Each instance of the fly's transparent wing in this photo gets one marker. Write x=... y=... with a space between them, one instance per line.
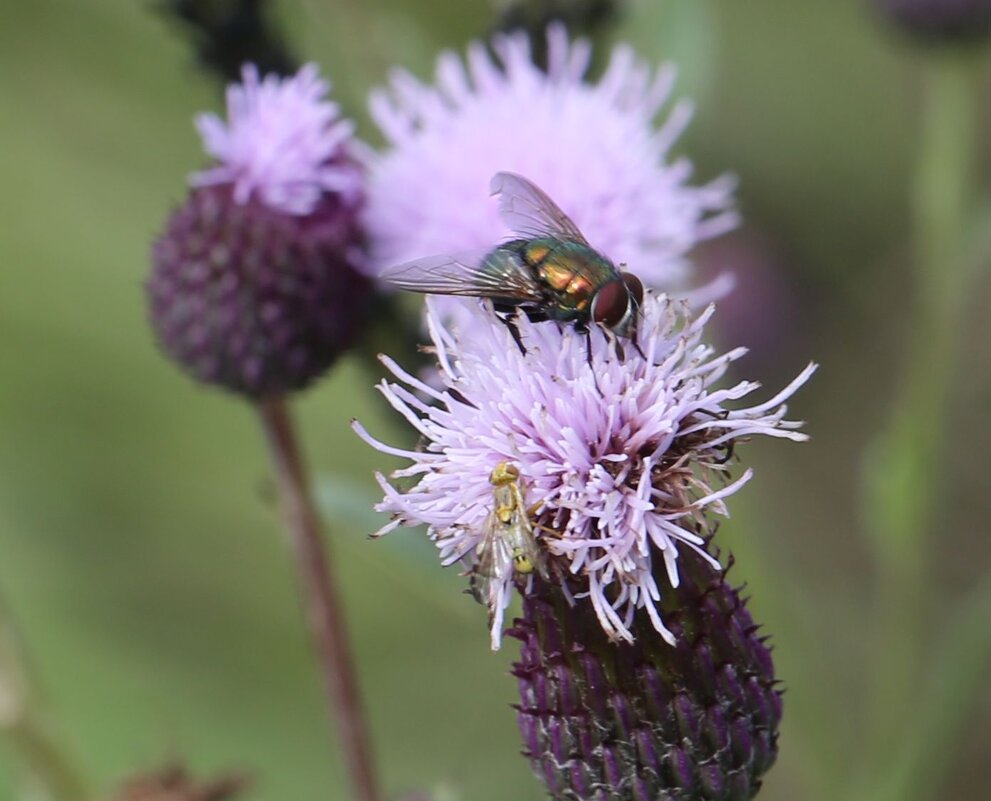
x=529 y=212
x=498 y=275
x=494 y=562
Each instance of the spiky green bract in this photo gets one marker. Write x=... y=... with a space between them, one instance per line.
x=648 y=721
x=254 y=299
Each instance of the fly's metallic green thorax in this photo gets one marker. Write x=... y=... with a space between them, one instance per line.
x=569 y=273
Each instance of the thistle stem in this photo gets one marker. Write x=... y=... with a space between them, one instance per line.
x=51 y=774
x=902 y=482
x=320 y=598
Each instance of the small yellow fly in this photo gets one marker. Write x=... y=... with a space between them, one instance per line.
x=508 y=543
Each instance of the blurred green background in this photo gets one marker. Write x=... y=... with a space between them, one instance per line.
x=140 y=550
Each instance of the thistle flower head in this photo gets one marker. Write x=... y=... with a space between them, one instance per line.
x=621 y=452
x=283 y=142
x=592 y=146
x=255 y=282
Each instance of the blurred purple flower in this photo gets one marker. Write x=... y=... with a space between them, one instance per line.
x=625 y=462
x=284 y=142
x=593 y=147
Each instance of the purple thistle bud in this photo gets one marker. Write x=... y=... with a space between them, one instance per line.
x=255 y=284
x=601 y=721
x=940 y=20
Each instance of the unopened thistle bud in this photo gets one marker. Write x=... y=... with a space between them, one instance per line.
x=940 y=20
x=603 y=721
x=255 y=284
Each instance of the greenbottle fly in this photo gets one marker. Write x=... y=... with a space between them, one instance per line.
x=549 y=271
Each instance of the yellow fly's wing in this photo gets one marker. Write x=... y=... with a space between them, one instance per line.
x=493 y=562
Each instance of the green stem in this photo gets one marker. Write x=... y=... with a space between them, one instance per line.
x=902 y=482
x=50 y=772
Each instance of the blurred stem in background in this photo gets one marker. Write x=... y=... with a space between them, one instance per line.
x=580 y=18
x=320 y=597
x=226 y=34
x=903 y=469
x=50 y=773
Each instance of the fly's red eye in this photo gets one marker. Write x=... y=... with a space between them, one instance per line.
x=610 y=303
x=635 y=286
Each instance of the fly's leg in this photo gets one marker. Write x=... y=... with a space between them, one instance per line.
x=588 y=357
x=532 y=512
x=620 y=350
x=548 y=530
x=636 y=344
x=506 y=312
x=514 y=331
x=728 y=446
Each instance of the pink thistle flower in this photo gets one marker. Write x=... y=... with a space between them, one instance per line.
x=593 y=147
x=620 y=468
x=283 y=142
